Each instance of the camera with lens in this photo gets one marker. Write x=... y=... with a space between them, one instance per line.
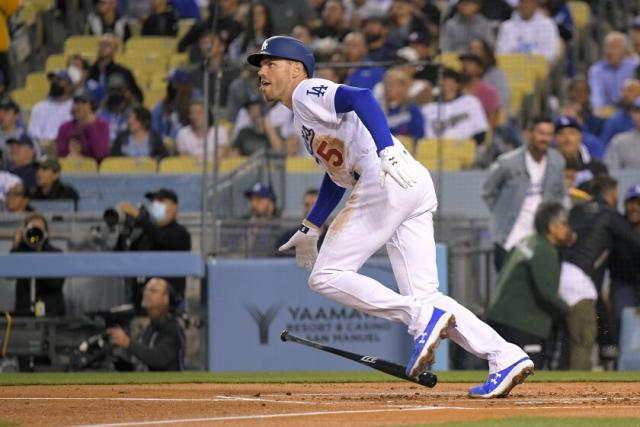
x=34 y=236
x=130 y=228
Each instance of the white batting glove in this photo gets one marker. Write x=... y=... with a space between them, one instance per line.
x=305 y=240
x=393 y=161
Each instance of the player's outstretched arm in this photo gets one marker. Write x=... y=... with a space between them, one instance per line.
x=305 y=240
x=393 y=158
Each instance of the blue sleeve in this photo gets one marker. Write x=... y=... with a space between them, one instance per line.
x=349 y=98
x=329 y=196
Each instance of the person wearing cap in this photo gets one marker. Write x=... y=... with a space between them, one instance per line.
x=529 y=31
x=607 y=76
x=598 y=226
x=16 y=199
x=170 y=114
x=9 y=129
x=455 y=116
x=569 y=143
x=421 y=43
x=139 y=140
x=262 y=202
x=105 y=20
x=90 y=132
x=624 y=268
x=471 y=73
x=48 y=184
x=162 y=21
x=48 y=115
x=105 y=66
x=263 y=231
x=117 y=105
x=22 y=159
x=466 y=24
x=160 y=232
x=621 y=120
x=623 y=152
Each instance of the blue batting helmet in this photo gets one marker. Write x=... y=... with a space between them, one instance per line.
x=284 y=47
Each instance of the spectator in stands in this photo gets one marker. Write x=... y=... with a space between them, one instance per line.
x=186 y=9
x=17 y=199
x=22 y=159
x=277 y=121
x=623 y=268
x=49 y=114
x=241 y=90
x=518 y=182
x=259 y=28
x=379 y=46
x=78 y=70
x=421 y=43
x=33 y=236
x=493 y=75
x=569 y=143
x=162 y=21
x=359 y=12
x=290 y=13
x=9 y=7
x=9 y=118
x=621 y=120
x=262 y=202
x=579 y=92
x=404 y=20
x=456 y=116
x=49 y=186
x=607 y=76
x=592 y=143
x=624 y=150
x=106 y=20
x=215 y=46
x=529 y=31
x=172 y=113
x=161 y=345
x=137 y=9
x=308 y=200
x=139 y=140
x=471 y=74
x=403 y=115
x=85 y=134
x=355 y=50
x=227 y=27
x=7 y=180
x=333 y=24
x=190 y=139
x=258 y=134
x=525 y=304
x=464 y=26
x=116 y=106
x=160 y=231
x=598 y=225
x=105 y=66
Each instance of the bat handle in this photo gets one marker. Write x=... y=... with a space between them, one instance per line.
x=284 y=335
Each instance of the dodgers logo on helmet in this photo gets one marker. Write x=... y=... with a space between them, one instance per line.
x=287 y=48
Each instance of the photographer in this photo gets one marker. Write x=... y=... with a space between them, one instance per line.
x=155 y=229
x=33 y=236
x=160 y=347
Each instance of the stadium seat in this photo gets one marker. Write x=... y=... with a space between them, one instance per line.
x=26 y=98
x=37 y=81
x=450 y=60
x=77 y=44
x=151 y=97
x=581 y=13
x=431 y=163
x=158 y=81
x=56 y=62
x=78 y=165
x=301 y=164
x=146 y=44
x=177 y=60
x=182 y=164
x=184 y=25
x=43 y=5
x=457 y=153
x=145 y=63
x=134 y=165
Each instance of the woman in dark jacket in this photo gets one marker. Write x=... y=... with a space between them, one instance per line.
x=139 y=140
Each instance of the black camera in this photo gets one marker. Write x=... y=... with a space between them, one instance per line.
x=130 y=228
x=34 y=236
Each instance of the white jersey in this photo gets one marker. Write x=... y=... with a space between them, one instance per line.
x=339 y=142
x=459 y=119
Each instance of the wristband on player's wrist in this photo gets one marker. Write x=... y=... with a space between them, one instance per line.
x=308 y=230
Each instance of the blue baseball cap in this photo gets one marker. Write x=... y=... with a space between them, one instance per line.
x=61 y=74
x=21 y=140
x=180 y=76
x=566 y=122
x=260 y=190
x=632 y=192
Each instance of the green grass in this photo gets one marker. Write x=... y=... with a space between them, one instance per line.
x=541 y=422
x=53 y=378
x=7 y=423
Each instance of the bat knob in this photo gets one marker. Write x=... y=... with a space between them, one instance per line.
x=428 y=379
x=284 y=335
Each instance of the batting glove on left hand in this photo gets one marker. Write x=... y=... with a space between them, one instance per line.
x=305 y=240
x=393 y=161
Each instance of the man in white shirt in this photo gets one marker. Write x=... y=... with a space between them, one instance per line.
x=529 y=31
x=49 y=114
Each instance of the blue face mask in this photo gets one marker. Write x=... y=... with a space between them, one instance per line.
x=158 y=211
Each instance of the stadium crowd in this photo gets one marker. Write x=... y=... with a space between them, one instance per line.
x=520 y=82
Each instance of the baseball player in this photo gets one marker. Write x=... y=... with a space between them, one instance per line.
x=392 y=202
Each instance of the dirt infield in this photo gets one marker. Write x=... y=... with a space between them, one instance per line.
x=363 y=404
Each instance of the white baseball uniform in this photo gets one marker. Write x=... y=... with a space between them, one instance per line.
x=401 y=219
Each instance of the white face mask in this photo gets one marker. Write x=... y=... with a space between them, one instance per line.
x=75 y=74
x=158 y=211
